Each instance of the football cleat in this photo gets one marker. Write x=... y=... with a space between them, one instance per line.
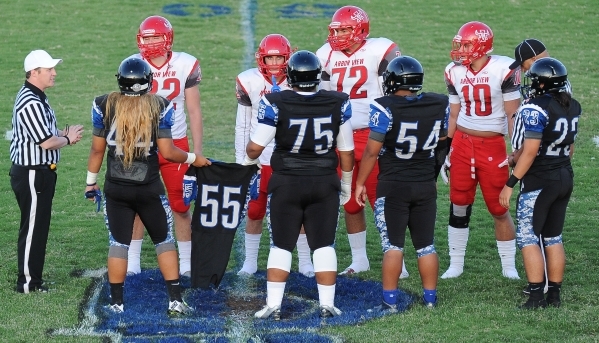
x=272 y=312
x=243 y=273
x=384 y=308
x=329 y=311
x=553 y=299
x=429 y=304
x=178 y=308
x=531 y=304
x=117 y=308
x=355 y=270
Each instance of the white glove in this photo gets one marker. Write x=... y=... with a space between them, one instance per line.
x=247 y=161
x=445 y=170
x=345 y=194
x=504 y=163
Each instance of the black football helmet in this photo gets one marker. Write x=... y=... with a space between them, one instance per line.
x=303 y=70
x=547 y=75
x=403 y=72
x=134 y=77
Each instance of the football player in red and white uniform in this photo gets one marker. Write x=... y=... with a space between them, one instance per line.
x=483 y=96
x=354 y=64
x=272 y=56
x=176 y=77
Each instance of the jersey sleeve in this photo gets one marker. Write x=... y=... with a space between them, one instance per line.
x=390 y=54
x=243 y=97
x=166 y=120
x=510 y=87
x=97 y=114
x=380 y=121
x=346 y=111
x=323 y=56
x=454 y=98
x=195 y=77
x=267 y=113
x=534 y=120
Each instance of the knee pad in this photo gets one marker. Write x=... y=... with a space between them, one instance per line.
x=177 y=204
x=497 y=210
x=118 y=251
x=257 y=207
x=279 y=259
x=164 y=247
x=459 y=216
x=325 y=260
x=426 y=251
x=549 y=241
x=352 y=206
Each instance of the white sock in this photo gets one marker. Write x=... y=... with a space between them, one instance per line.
x=357 y=242
x=326 y=295
x=252 y=246
x=303 y=255
x=404 y=271
x=507 y=253
x=274 y=291
x=457 y=240
x=184 y=256
x=134 y=256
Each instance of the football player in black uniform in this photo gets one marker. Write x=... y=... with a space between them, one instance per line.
x=550 y=120
x=134 y=124
x=312 y=136
x=406 y=129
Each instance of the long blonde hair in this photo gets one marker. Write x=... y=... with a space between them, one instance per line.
x=134 y=118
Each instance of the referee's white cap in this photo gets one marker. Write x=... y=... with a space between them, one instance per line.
x=40 y=59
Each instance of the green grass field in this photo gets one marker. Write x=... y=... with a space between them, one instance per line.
x=94 y=36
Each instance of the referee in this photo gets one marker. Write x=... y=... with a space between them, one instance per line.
x=35 y=152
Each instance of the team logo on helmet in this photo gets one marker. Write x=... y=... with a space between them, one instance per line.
x=483 y=35
x=137 y=87
x=358 y=16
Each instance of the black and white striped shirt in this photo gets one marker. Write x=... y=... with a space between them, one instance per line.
x=33 y=123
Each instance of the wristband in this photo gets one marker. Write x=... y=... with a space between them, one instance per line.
x=191 y=157
x=512 y=181
x=91 y=178
x=346 y=176
x=68 y=140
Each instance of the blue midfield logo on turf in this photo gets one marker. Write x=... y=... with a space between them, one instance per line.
x=298 y=10
x=196 y=10
x=225 y=314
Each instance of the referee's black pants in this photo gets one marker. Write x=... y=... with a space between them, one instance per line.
x=34 y=190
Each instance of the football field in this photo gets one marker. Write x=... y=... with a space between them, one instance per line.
x=93 y=37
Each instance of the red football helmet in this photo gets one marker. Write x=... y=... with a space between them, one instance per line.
x=151 y=27
x=348 y=17
x=479 y=35
x=273 y=45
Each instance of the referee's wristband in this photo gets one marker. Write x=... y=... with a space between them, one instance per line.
x=512 y=181
x=92 y=178
x=68 y=140
x=191 y=157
